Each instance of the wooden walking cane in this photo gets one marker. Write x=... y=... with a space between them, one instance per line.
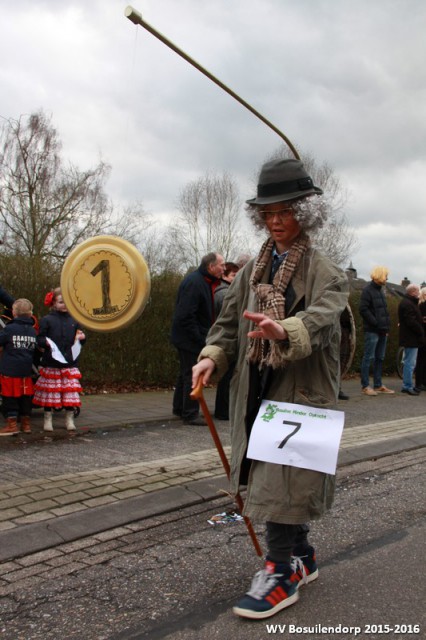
x=197 y=394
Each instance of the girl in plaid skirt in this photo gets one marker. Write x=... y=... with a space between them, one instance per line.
x=58 y=386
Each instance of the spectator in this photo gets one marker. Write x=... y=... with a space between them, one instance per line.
x=58 y=386
x=193 y=317
x=7 y=301
x=280 y=326
x=420 y=372
x=411 y=335
x=18 y=339
x=242 y=260
x=374 y=312
x=221 y=410
x=230 y=271
x=347 y=345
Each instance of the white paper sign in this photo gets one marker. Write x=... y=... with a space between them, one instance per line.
x=297 y=435
x=56 y=353
x=75 y=349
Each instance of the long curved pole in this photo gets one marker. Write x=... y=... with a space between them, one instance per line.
x=135 y=17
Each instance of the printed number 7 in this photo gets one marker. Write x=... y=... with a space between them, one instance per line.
x=287 y=438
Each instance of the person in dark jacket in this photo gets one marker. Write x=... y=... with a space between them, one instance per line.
x=59 y=338
x=18 y=340
x=411 y=335
x=376 y=321
x=421 y=354
x=193 y=317
x=7 y=301
x=347 y=345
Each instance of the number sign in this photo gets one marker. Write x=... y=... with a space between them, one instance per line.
x=296 y=435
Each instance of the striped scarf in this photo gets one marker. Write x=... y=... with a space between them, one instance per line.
x=270 y=297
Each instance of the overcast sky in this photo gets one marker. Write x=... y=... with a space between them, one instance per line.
x=343 y=79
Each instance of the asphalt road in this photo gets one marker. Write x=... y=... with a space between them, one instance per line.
x=177 y=577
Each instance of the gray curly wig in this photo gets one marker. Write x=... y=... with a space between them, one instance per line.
x=311 y=213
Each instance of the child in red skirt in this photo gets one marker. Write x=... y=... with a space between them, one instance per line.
x=59 y=383
x=18 y=339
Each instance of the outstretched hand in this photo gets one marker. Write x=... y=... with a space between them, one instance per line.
x=267 y=329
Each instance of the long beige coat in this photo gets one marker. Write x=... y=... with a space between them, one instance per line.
x=311 y=376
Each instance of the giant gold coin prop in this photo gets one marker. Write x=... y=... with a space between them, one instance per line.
x=105 y=283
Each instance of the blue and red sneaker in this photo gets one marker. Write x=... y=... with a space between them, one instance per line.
x=304 y=564
x=273 y=588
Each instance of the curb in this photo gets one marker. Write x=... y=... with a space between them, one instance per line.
x=39 y=536
x=32 y=538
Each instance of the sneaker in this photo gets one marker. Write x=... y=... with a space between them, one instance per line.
x=384 y=389
x=368 y=391
x=411 y=392
x=273 y=588
x=304 y=565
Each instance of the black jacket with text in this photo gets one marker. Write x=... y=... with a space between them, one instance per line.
x=18 y=339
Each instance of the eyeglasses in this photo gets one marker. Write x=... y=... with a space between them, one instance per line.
x=280 y=213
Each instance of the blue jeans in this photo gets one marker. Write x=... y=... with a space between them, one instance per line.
x=374 y=349
x=410 y=357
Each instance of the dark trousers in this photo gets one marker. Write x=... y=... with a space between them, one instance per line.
x=282 y=539
x=420 y=371
x=13 y=407
x=221 y=408
x=183 y=405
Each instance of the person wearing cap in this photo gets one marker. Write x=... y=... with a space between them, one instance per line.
x=280 y=328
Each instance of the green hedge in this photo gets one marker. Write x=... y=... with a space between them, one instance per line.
x=142 y=353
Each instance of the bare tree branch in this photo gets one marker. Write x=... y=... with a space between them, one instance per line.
x=46 y=209
x=209 y=220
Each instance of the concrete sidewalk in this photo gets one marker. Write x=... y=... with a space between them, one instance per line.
x=37 y=514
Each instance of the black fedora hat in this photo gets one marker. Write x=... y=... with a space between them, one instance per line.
x=282 y=180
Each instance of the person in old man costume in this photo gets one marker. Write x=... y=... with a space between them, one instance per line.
x=280 y=327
